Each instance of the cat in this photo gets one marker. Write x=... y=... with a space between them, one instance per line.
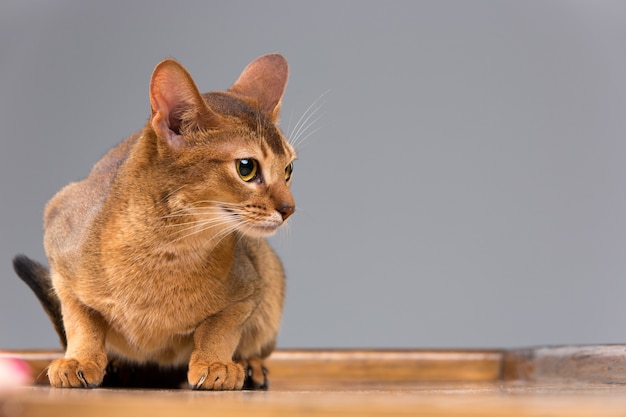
x=158 y=257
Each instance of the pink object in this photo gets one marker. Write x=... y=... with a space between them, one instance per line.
x=14 y=373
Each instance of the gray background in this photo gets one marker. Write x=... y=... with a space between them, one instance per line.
x=465 y=186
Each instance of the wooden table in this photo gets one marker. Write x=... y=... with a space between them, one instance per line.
x=554 y=381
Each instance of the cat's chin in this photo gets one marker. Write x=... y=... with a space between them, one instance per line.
x=261 y=231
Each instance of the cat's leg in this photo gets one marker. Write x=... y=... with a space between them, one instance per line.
x=256 y=374
x=259 y=334
x=211 y=366
x=85 y=358
x=257 y=343
x=260 y=330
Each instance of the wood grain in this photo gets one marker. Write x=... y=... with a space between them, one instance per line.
x=580 y=364
x=338 y=367
x=547 y=381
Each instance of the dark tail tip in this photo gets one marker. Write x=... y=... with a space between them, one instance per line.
x=37 y=277
x=27 y=269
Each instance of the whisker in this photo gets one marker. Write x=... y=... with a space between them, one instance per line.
x=305 y=113
x=188 y=214
x=247 y=226
x=202 y=222
x=194 y=222
x=300 y=141
x=173 y=213
x=217 y=203
x=289 y=124
x=189 y=211
x=233 y=228
x=215 y=209
x=197 y=228
x=189 y=221
x=225 y=233
x=301 y=212
x=285 y=231
x=203 y=229
x=306 y=124
x=306 y=116
x=171 y=193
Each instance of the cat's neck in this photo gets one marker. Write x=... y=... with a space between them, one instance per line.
x=161 y=254
x=157 y=229
x=147 y=219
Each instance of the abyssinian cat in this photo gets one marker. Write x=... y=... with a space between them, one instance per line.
x=158 y=256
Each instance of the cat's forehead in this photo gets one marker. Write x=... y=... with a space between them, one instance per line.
x=254 y=130
x=265 y=145
x=272 y=142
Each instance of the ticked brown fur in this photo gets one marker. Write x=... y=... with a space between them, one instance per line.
x=158 y=255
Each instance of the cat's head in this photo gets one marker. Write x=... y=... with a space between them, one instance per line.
x=224 y=163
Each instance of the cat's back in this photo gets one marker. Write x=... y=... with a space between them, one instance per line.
x=73 y=212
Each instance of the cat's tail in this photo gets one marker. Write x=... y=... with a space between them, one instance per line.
x=37 y=277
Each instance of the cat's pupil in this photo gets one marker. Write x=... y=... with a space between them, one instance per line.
x=247 y=169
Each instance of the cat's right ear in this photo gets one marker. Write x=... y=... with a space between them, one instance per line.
x=264 y=81
x=175 y=100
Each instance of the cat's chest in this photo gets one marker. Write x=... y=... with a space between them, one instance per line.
x=177 y=290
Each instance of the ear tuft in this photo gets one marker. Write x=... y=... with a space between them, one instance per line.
x=264 y=81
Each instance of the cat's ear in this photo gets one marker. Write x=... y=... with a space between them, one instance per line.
x=175 y=100
x=264 y=81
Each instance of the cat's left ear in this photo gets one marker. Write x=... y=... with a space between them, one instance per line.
x=264 y=81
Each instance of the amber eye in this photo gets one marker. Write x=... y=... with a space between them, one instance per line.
x=288 y=171
x=247 y=168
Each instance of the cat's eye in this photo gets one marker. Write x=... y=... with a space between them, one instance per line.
x=288 y=171
x=247 y=169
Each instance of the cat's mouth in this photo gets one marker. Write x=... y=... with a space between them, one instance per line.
x=265 y=228
x=261 y=231
x=253 y=226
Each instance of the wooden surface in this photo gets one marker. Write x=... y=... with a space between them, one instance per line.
x=559 y=381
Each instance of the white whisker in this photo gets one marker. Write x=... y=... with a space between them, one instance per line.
x=194 y=222
x=303 y=122
x=217 y=203
x=300 y=141
x=285 y=231
x=221 y=235
x=306 y=124
x=296 y=127
x=189 y=214
x=171 y=193
x=206 y=227
x=217 y=208
x=201 y=225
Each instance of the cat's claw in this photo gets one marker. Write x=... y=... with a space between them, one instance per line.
x=216 y=376
x=198 y=384
x=70 y=373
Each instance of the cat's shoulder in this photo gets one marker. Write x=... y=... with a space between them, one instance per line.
x=111 y=161
x=72 y=210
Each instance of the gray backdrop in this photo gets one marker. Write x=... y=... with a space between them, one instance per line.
x=464 y=185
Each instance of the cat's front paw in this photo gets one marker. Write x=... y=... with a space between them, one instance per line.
x=216 y=376
x=70 y=373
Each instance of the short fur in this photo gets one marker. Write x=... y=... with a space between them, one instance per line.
x=158 y=256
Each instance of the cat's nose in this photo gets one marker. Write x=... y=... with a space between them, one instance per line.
x=286 y=210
